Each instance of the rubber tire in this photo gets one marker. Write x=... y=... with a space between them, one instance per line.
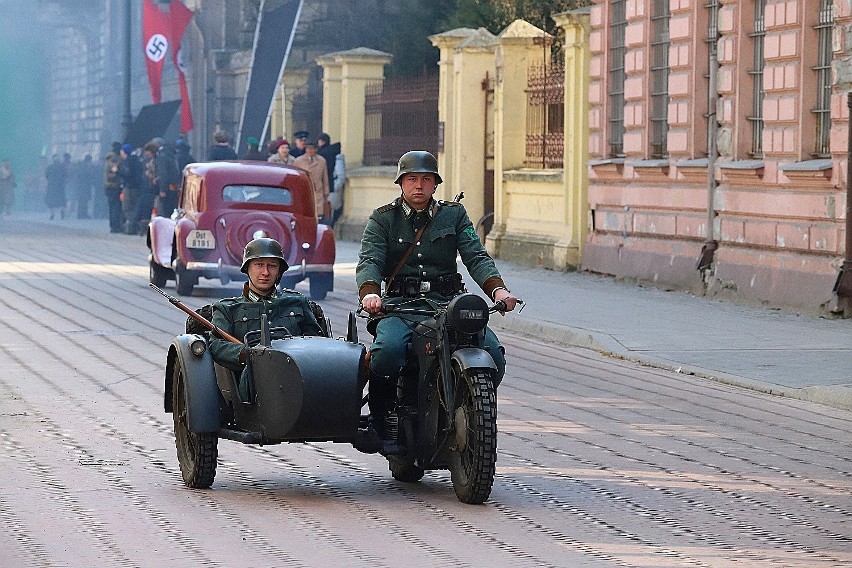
x=472 y=468
x=197 y=453
x=320 y=284
x=184 y=281
x=402 y=468
x=157 y=275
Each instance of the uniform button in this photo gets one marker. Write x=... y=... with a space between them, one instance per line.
x=419 y=266
x=418 y=243
x=424 y=272
x=292 y=313
x=400 y=240
x=245 y=318
x=419 y=255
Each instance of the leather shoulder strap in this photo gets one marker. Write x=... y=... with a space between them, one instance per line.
x=408 y=252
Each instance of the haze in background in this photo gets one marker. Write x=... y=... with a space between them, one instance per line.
x=24 y=75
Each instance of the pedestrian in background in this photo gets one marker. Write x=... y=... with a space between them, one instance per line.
x=7 y=188
x=253 y=152
x=56 y=176
x=315 y=165
x=300 y=139
x=282 y=154
x=183 y=156
x=221 y=148
x=112 y=190
x=336 y=174
x=86 y=178
x=130 y=170
x=167 y=181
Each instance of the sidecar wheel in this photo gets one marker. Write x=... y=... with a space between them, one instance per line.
x=473 y=458
x=196 y=453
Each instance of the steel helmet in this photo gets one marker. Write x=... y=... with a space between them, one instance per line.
x=264 y=248
x=418 y=161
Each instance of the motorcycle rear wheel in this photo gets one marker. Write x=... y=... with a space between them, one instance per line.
x=473 y=457
x=403 y=468
x=197 y=453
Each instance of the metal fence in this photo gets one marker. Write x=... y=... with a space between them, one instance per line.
x=401 y=114
x=545 y=115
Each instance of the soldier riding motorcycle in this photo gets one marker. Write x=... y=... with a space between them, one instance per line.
x=410 y=245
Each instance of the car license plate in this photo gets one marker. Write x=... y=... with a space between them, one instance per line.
x=198 y=239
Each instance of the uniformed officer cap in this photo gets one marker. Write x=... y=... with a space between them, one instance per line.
x=419 y=162
x=263 y=248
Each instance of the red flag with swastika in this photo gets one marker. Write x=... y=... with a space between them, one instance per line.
x=180 y=18
x=155 y=41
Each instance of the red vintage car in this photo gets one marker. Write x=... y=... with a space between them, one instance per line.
x=224 y=205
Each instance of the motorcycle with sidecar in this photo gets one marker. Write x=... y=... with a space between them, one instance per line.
x=310 y=389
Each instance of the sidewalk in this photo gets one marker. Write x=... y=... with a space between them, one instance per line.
x=797 y=356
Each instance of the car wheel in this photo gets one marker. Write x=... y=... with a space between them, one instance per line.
x=320 y=285
x=197 y=453
x=157 y=275
x=184 y=281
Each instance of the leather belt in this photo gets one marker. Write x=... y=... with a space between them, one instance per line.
x=412 y=286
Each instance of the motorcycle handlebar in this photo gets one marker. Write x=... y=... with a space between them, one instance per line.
x=499 y=306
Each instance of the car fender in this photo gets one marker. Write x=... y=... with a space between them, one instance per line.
x=181 y=229
x=473 y=358
x=325 y=251
x=202 y=392
x=161 y=235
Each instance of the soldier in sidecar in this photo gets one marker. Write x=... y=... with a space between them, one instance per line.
x=268 y=372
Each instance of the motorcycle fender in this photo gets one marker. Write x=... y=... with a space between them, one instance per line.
x=202 y=392
x=473 y=358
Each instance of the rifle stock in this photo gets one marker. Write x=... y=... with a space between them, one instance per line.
x=197 y=317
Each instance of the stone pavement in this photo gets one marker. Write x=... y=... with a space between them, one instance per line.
x=774 y=351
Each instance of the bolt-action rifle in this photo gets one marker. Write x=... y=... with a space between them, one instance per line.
x=198 y=317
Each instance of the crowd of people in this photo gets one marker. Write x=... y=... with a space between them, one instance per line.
x=135 y=183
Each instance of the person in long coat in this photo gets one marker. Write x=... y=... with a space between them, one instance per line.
x=57 y=176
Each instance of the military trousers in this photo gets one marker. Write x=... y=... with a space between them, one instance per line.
x=387 y=354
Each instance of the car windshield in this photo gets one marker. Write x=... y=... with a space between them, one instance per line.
x=257 y=194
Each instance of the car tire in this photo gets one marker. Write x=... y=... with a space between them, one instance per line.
x=157 y=275
x=184 y=281
x=320 y=285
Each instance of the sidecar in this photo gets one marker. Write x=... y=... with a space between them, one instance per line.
x=301 y=389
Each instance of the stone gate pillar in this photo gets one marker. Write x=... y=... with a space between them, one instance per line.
x=357 y=67
x=466 y=66
x=576 y=147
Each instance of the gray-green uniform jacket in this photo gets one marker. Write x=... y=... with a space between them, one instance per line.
x=240 y=315
x=390 y=232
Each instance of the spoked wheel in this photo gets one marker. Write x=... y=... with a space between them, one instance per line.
x=196 y=453
x=474 y=455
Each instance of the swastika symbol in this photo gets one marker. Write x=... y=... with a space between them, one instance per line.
x=156 y=48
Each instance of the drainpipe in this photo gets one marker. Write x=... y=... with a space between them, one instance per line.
x=708 y=250
x=843 y=286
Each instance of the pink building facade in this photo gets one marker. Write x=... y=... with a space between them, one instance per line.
x=753 y=91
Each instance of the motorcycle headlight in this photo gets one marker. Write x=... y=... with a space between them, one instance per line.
x=467 y=313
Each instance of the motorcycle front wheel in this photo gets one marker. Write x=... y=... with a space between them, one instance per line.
x=473 y=457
